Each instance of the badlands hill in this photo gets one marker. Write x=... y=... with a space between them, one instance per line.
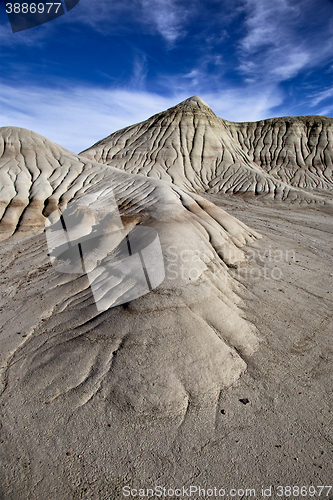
x=193 y=148
x=38 y=176
x=221 y=374
x=163 y=354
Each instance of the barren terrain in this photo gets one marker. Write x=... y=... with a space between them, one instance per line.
x=221 y=375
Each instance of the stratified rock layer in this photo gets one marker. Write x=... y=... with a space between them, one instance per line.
x=191 y=147
x=164 y=351
x=296 y=150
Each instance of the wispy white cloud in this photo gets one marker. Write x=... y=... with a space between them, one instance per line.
x=251 y=104
x=292 y=64
x=28 y=38
x=165 y=17
x=274 y=46
x=103 y=15
x=321 y=96
x=263 y=22
x=140 y=70
x=271 y=49
x=78 y=116
x=168 y=17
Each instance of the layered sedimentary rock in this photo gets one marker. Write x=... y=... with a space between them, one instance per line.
x=296 y=150
x=38 y=175
x=191 y=147
x=95 y=397
x=169 y=349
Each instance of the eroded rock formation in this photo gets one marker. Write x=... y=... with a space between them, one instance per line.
x=191 y=147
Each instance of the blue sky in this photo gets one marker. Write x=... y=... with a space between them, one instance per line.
x=107 y=64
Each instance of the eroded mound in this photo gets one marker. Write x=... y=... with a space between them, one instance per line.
x=191 y=147
x=296 y=150
x=172 y=348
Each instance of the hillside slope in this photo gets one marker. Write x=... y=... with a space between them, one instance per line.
x=198 y=242
x=191 y=147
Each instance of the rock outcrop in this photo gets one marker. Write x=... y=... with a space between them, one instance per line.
x=193 y=318
x=191 y=147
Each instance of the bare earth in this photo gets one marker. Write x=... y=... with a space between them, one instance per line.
x=219 y=378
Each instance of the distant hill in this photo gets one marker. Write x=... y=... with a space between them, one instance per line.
x=193 y=148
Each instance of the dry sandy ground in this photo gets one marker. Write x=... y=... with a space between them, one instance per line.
x=284 y=435
x=272 y=427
